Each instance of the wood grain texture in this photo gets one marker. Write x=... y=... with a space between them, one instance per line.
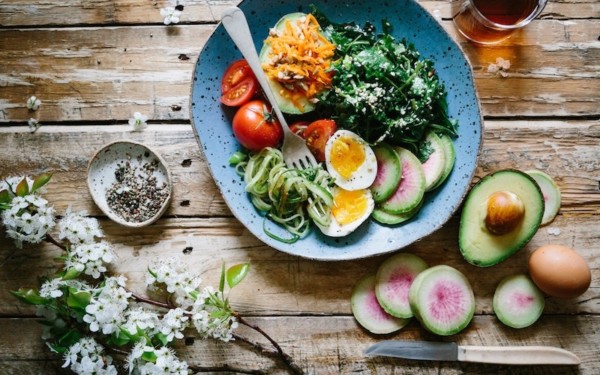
x=91 y=73
x=334 y=345
x=567 y=150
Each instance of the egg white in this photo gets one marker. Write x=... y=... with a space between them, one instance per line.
x=364 y=175
x=335 y=229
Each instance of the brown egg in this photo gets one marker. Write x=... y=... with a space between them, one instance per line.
x=559 y=271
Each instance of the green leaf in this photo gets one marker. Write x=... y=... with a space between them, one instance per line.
x=22 y=188
x=56 y=348
x=237 y=273
x=120 y=338
x=30 y=296
x=162 y=338
x=70 y=274
x=41 y=181
x=152 y=273
x=69 y=338
x=5 y=197
x=149 y=357
x=77 y=299
x=222 y=281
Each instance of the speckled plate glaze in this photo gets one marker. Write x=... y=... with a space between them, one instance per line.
x=212 y=122
x=101 y=175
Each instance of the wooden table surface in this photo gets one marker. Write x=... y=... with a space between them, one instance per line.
x=93 y=63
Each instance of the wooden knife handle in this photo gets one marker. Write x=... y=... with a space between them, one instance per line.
x=517 y=355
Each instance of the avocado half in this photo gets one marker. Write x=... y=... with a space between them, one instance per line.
x=285 y=105
x=477 y=244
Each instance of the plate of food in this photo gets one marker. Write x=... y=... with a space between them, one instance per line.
x=386 y=102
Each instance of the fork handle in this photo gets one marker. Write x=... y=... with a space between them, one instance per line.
x=235 y=24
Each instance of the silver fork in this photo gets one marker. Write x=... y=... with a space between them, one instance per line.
x=295 y=152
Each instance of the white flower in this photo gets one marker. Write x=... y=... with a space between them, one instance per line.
x=105 y=311
x=503 y=64
x=138 y=122
x=221 y=327
x=33 y=103
x=500 y=67
x=51 y=288
x=166 y=361
x=170 y=15
x=78 y=229
x=34 y=125
x=173 y=323
x=90 y=258
x=87 y=357
x=28 y=219
x=175 y=277
x=139 y=318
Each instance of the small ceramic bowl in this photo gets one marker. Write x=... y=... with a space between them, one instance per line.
x=130 y=183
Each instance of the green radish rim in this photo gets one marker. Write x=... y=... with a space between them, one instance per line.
x=518 y=302
x=450 y=153
x=393 y=280
x=382 y=216
x=442 y=299
x=411 y=189
x=368 y=312
x=551 y=193
x=433 y=167
x=389 y=172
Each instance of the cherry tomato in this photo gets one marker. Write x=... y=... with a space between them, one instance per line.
x=317 y=134
x=234 y=74
x=240 y=93
x=255 y=127
x=299 y=127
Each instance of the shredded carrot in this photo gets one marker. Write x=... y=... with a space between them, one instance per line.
x=300 y=59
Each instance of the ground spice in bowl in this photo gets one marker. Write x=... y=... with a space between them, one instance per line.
x=136 y=195
x=130 y=183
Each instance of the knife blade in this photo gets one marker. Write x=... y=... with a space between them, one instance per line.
x=449 y=351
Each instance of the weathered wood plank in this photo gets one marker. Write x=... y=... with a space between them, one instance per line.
x=567 y=150
x=104 y=74
x=51 y=12
x=336 y=346
x=284 y=284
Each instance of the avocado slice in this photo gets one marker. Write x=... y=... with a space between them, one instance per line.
x=286 y=105
x=478 y=244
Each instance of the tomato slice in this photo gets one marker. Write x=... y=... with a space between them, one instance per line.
x=299 y=127
x=234 y=74
x=240 y=93
x=317 y=134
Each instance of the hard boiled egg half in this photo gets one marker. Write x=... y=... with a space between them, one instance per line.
x=350 y=209
x=350 y=161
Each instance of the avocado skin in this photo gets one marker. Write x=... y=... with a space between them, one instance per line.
x=482 y=248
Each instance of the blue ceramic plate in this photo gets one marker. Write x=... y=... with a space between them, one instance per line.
x=212 y=122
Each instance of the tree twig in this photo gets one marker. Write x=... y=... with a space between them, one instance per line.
x=53 y=241
x=286 y=358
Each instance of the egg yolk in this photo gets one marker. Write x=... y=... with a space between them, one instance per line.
x=349 y=206
x=347 y=155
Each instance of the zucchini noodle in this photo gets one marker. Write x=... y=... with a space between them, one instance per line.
x=290 y=197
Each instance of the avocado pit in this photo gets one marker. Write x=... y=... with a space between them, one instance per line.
x=505 y=211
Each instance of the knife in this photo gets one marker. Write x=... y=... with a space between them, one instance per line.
x=449 y=351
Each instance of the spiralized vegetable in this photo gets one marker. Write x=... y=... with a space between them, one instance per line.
x=290 y=197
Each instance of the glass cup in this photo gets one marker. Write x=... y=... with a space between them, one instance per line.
x=491 y=21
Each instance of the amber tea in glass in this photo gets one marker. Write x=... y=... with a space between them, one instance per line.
x=491 y=21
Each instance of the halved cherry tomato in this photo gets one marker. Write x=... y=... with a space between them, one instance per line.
x=240 y=93
x=317 y=134
x=255 y=127
x=299 y=127
x=234 y=74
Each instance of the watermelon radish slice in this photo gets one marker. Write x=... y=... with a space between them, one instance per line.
x=551 y=194
x=433 y=167
x=367 y=311
x=518 y=302
x=389 y=172
x=387 y=218
x=450 y=153
x=411 y=189
x=442 y=299
x=393 y=280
